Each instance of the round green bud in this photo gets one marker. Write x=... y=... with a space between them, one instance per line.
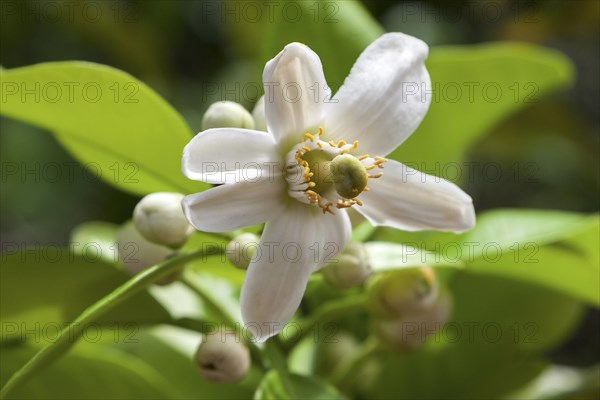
x=138 y=254
x=221 y=357
x=414 y=327
x=160 y=219
x=258 y=113
x=352 y=268
x=401 y=292
x=349 y=176
x=242 y=249
x=227 y=114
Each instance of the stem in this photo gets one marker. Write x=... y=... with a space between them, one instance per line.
x=70 y=334
x=346 y=371
x=328 y=312
x=228 y=320
x=278 y=363
x=210 y=302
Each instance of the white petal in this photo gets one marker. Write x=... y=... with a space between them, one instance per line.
x=234 y=206
x=336 y=230
x=384 y=99
x=407 y=199
x=295 y=91
x=291 y=248
x=229 y=155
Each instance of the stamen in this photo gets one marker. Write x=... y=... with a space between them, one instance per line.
x=306 y=148
x=309 y=137
x=355 y=144
x=320 y=145
x=340 y=144
x=363 y=157
x=378 y=175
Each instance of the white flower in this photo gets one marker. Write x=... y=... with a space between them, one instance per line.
x=313 y=163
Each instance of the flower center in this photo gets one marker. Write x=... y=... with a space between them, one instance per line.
x=328 y=175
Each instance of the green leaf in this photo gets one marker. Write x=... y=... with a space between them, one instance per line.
x=96 y=237
x=118 y=127
x=338 y=31
x=556 y=267
x=475 y=88
x=303 y=387
x=47 y=288
x=93 y=372
x=511 y=229
x=497 y=231
x=385 y=256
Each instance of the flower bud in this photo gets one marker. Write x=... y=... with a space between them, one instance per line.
x=260 y=121
x=222 y=358
x=351 y=269
x=227 y=114
x=137 y=254
x=242 y=249
x=401 y=292
x=415 y=326
x=160 y=219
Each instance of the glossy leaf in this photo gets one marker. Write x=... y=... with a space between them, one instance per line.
x=47 y=288
x=475 y=88
x=91 y=373
x=115 y=125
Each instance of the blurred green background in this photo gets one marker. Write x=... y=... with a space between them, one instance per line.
x=193 y=54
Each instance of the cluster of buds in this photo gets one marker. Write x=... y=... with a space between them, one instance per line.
x=408 y=307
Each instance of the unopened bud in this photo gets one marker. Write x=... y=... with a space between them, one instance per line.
x=160 y=219
x=400 y=292
x=137 y=254
x=260 y=121
x=222 y=358
x=414 y=327
x=227 y=114
x=351 y=269
x=346 y=273
x=241 y=250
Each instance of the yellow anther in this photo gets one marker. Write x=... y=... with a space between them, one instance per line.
x=344 y=151
x=355 y=144
x=363 y=157
x=320 y=145
x=379 y=175
x=311 y=184
x=320 y=131
x=357 y=202
x=306 y=148
x=341 y=143
x=370 y=167
x=331 y=143
x=366 y=189
x=309 y=137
